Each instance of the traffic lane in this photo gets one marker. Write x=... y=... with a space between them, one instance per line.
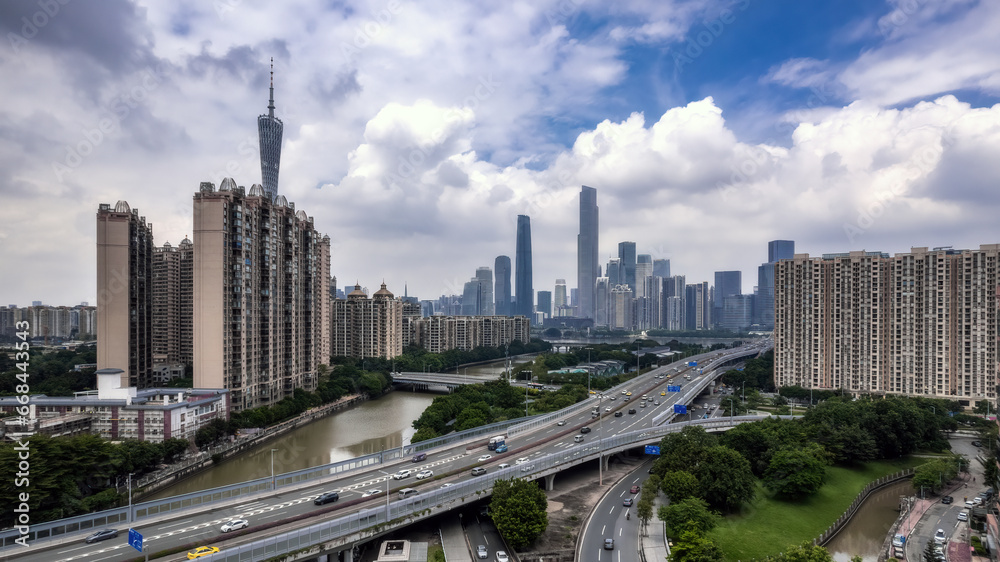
x=608 y=521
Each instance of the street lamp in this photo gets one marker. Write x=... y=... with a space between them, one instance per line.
x=732 y=406
x=387 y=478
x=130 y=500
x=272 y=468
x=600 y=441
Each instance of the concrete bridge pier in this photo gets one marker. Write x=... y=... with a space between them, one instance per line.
x=550 y=482
x=348 y=555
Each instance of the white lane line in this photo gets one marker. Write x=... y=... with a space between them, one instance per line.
x=175 y=524
x=604 y=528
x=72 y=549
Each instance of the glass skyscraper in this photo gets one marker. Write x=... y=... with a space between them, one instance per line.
x=587 y=268
x=269 y=129
x=523 y=289
x=626 y=253
x=502 y=292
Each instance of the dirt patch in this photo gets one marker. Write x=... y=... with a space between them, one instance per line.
x=576 y=493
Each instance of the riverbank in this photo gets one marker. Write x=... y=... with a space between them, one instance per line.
x=206 y=458
x=769 y=523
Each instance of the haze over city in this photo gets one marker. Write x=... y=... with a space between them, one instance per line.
x=415 y=133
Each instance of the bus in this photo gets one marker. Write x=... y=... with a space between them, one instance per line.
x=537 y=385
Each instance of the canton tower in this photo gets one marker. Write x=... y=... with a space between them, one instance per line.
x=269 y=129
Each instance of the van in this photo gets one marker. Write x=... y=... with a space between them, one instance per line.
x=407 y=492
x=578 y=438
x=419 y=457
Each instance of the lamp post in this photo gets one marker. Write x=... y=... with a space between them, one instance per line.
x=130 y=500
x=600 y=441
x=589 y=371
x=732 y=406
x=387 y=478
x=272 y=468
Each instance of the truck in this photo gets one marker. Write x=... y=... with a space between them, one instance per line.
x=494 y=441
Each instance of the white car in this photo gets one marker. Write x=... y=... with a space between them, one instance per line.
x=424 y=474
x=447 y=485
x=521 y=460
x=963 y=515
x=485 y=458
x=405 y=473
x=372 y=492
x=234 y=524
x=481 y=552
x=939 y=536
x=527 y=468
x=502 y=556
x=503 y=465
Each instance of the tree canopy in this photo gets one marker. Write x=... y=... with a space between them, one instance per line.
x=518 y=509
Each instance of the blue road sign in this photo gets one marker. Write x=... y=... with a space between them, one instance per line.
x=692 y=363
x=680 y=409
x=652 y=449
x=673 y=388
x=135 y=539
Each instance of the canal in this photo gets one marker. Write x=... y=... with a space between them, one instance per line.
x=865 y=534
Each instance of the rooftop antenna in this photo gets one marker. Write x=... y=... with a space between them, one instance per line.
x=270 y=106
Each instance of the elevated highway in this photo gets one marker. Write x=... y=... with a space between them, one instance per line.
x=284 y=520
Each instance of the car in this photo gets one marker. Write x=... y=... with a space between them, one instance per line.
x=501 y=448
x=609 y=544
x=628 y=394
x=424 y=474
x=503 y=465
x=628 y=502
x=618 y=414
x=939 y=536
x=202 y=551
x=478 y=471
x=419 y=457
x=607 y=409
x=405 y=473
x=634 y=489
x=234 y=524
x=483 y=458
x=102 y=535
x=502 y=556
x=624 y=392
x=631 y=410
x=372 y=492
x=447 y=485
x=584 y=430
x=613 y=398
x=969 y=503
x=898 y=540
x=323 y=498
x=643 y=405
x=977 y=500
x=963 y=515
x=626 y=398
x=977 y=443
x=521 y=460
x=663 y=393
x=481 y=552
x=561 y=423
x=656 y=402
x=947 y=500
x=527 y=468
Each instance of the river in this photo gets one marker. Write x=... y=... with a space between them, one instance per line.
x=865 y=533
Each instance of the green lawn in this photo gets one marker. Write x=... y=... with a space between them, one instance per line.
x=769 y=525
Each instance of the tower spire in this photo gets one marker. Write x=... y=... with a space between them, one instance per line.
x=270 y=106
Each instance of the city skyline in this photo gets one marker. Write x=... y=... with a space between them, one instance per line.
x=855 y=131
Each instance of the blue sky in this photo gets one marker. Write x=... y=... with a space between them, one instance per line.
x=707 y=127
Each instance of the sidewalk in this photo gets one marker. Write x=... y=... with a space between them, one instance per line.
x=654 y=545
x=453 y=541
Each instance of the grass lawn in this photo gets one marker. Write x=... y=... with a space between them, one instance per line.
x=769 y=525
x=435 y=553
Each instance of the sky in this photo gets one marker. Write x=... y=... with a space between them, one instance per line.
x=416 y=132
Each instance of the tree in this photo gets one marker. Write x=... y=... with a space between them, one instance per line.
x=795 y=473
x=805 y=552
x=694 y=547
x=644 y=510
x=518 y=508
x=691 y=514
x=725 y=478
x=931 y=554
x=683 y=450
x=679 y=485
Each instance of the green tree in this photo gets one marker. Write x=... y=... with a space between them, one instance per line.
x=694 y=547
x=930 y=554
x=795 y=473
x=644 y=510
x=803 y=553
x=683 y=450
x=518 y=509
x=679 y=485
x=725 y=478
x=691 y=514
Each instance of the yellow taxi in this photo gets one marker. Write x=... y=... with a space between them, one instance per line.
x=628 y=394
x=202 y=551
x=593 y=392
x=663 y=393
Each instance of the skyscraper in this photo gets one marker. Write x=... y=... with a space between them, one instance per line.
x=587 y=268
x=778 y=250
x=485 y=276
x=502 y=294
x=601 y=295
x=545 y=303
x=643 y=269
x=173 y=291
x=626 y=253
x=614 y=272
x=262 y=316
x=661 y=268
x=523 y=288
x=125 y=293
x=560 y=293
x=472 y=297
x=269 y=129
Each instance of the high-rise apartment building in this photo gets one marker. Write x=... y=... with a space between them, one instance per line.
x=643 y=269
x=173 y=298
x=438 y=334
x=124 y=293
x=698 y=305
x=368 y=327
x=261 y=295
x=523 y=288
x=485 y=276
x=922 y=323
x=502 y=292
x=620 y=308
x=626 y=253
x=601 y=296
x=587 y=268
x=269 y=130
